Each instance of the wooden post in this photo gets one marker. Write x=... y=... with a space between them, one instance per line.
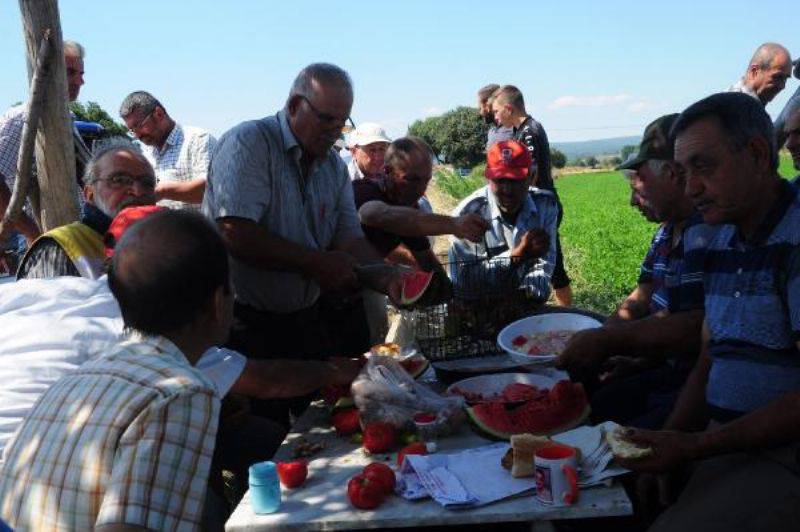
x=55 y=153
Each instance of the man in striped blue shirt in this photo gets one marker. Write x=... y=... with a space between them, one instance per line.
x=645 y=350
x=737 y=417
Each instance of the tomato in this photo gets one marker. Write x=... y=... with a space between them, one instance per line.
x=382 y=474
x=379 y=437
x=346 y=422
x=414 y=448
x=364 y=493
x=519 y=341
x=292 y=474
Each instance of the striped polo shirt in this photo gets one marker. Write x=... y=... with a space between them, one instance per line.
x=674 y=268
x=752 y=300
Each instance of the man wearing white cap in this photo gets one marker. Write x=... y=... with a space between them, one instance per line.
x=368 y=145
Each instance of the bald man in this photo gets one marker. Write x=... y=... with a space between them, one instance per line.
x=767 y=72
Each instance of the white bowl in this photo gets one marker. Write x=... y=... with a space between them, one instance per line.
x=495 y=383
x=560 y=321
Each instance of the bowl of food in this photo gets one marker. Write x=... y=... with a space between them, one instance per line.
x=541 y=338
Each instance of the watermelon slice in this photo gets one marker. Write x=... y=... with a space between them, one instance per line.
x=565 y=406
x=414 y=286
x=415 y=366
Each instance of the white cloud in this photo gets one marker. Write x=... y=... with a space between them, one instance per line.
x=600 y=100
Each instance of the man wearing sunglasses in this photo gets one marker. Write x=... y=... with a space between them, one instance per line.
x=116 y=177
x=284 y=203
x=179 y=154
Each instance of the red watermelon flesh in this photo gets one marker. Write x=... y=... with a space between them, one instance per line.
x=414 y=285
x=563 y=407
x=517 y=391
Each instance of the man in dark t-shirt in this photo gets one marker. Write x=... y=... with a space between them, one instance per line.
x=508 y=106
x=390 y=216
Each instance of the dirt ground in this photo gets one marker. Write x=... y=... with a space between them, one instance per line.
x=442 y=204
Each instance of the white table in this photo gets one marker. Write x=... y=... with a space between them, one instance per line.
x=322 y=504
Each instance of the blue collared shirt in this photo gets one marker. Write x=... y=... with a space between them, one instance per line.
x=489 y=260
x=752 y=310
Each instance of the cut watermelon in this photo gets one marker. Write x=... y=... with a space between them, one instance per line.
x=415 y=366
x=414 y=286
x=517 y=392
x=565 y=406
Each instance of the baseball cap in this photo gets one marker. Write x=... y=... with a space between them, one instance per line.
x=367 y=133
x=123 y=220
x=656 y=143
x=508 y=159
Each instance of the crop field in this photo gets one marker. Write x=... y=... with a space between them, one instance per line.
x=604 y=239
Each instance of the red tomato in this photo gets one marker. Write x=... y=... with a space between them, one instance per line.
x=519 y=341
x=382 y=474
x=346 y=422
x=292 y=474
x=414 y=448
x=378 y=437
x=364 y=493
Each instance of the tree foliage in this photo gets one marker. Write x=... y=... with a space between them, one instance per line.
x=557 y=158
x=627 y=151
x=92 y=112
x=458 y=136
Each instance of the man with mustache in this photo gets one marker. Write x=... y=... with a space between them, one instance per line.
x=736 y=424
x=521 y=227
x=116 y=177
x=644 y=351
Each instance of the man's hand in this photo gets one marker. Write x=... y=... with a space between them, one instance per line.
x=585 y=353
x=533 y=245
x=334 y=271
x=470 y=226
x=345 y=370
x=619 y=367
x=671 y=449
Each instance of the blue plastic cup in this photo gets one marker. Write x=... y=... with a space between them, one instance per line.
x=265 y=490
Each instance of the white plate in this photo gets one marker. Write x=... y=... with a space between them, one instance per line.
x=560 y=321
x=495 y=384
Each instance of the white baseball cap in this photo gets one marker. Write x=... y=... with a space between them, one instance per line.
x=367 y=133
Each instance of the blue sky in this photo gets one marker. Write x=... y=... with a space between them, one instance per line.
x=587 y=69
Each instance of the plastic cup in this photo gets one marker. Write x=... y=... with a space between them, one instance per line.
x=265 y=490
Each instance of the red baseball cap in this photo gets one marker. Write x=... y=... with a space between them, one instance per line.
x=508 y=159
x=123 y=220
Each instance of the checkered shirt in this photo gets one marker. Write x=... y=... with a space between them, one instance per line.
x=184 y=157
x=126 y=438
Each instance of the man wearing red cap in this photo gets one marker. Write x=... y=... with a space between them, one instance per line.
x=116 y=177
x=522 y=222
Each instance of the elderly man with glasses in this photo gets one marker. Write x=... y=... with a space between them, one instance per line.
x=284 y=203
x=179 y=154
x=116 y=177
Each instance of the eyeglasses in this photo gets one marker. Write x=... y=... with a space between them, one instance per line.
x=142 y=122
x=325 y=118
x=119 y=181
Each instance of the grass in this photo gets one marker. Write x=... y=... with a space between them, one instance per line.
x=604 y=239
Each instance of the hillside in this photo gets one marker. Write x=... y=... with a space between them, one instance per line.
x=574 y=150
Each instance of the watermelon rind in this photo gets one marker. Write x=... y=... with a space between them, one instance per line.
x=495 y=434
x=414 y=286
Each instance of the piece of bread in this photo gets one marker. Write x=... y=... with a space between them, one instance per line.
x=387 y=350
x=622 y=448
x=523 y=447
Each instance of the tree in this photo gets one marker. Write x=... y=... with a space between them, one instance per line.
x=557 y=158
x=92 y=112
x=591 y=161
x=458 y=136
x=627 y=151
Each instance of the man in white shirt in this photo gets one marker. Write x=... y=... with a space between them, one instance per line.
x=767 y=72
x=368 y=144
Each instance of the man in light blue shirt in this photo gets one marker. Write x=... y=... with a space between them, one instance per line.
x=518 y=249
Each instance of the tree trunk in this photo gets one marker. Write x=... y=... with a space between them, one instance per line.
x=55 y=153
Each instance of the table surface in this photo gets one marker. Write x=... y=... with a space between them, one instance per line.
x=322 y=504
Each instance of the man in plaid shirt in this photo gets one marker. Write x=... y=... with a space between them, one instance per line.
x=179 y=154
x=127 y=439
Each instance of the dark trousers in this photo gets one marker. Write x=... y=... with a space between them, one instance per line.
x=560 y=279
x=328 y=328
